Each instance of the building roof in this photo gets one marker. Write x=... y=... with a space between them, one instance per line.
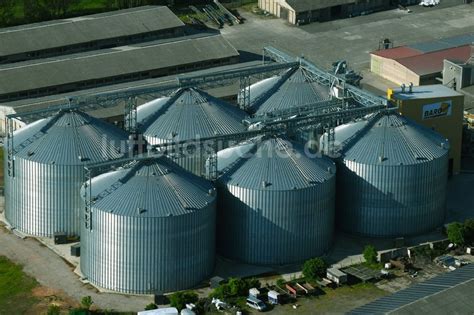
x=291 y=89
x=442 y=294
x=188 y=114
x=390 y=140
x=37 y=74
x=79 y=136
x=443 y=43
x=66 y=32
x=425 y=92
x=275 y=164
x=397 y=52
x=427 y=57
x=151 y=188
x=309 y=5
x=432 y=62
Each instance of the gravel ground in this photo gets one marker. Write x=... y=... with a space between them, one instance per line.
x=53 y=272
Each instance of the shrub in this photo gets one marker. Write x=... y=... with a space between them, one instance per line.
x=151 y=306
x=180 y=299
x=314 y=269
x=455 y=232
x=370 y=254
x=53 y=309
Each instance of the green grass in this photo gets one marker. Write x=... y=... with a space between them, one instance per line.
x=15 y=288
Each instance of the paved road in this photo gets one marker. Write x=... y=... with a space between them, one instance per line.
x=352 y=39
x=51 y=271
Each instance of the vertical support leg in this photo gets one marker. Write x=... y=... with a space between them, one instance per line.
x=131 y=115
x=244 y=93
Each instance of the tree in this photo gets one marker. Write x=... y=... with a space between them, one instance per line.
x=370 y=254
x=180 y=299
x=469 y=231
x=53 y=309
x=151 y=306
x=455 y=233
x=6 y=11
x=87 y=302
x=314 y=269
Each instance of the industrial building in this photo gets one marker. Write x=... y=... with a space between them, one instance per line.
x=436 y=107
x=74 y=72
x=299 y=12
x=148 y=225
x=44 y=170
x=186 y=115
x=151 y=229
x=90 y=32
x=276 y=204
x=392 y=178
x=420 y=63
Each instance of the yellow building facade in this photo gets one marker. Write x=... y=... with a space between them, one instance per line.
x=437 y=107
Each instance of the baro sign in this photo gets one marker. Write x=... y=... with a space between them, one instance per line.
x=437 y=110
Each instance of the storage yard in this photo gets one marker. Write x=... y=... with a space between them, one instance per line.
x=202 y=169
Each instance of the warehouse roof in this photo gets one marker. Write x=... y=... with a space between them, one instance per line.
x=309 y=5
x=59 y=33
x=443 y=43
x=397 y=52
x=433 y=62
x=113 y=62
x=448 y=291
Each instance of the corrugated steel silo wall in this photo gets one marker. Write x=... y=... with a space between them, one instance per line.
x=43 y=198
x=148 y=255
x=275 y=227
x=391 y=201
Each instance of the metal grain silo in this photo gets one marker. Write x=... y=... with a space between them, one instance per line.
x=189 y=114
x=42 y=193
x=392 y=177
x=152 y=229
x=276 y=203
x=291 y=89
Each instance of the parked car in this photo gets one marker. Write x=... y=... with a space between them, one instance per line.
x=256 y=304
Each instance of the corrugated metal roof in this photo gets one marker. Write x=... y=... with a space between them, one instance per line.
x=418 y=292
x=58 y=33
x=277 y=164
x=70 y=138
x=443 y=43
x=293 y=89
x=151 y=188
x=430 y=63
x=188 y=114
x=108 y=63
x=396 y=140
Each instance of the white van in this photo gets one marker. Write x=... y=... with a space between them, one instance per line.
x=257 y=304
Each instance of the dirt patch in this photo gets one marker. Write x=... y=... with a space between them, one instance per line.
x=48 y=296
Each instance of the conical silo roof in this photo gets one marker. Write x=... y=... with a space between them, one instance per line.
x=151 y=188
x=188 y=114
x=292 y=89
x=70 y=137
x=277 y=164
x=391 y=139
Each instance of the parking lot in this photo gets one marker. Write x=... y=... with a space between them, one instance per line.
x=351 y=39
